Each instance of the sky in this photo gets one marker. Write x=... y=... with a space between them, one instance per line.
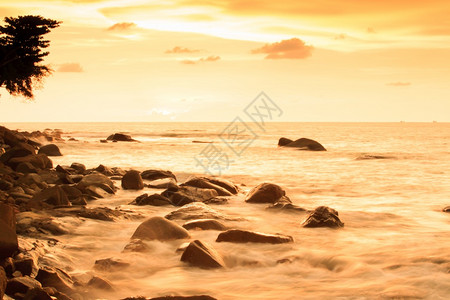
x=206 y=60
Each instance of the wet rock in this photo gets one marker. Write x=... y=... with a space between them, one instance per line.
x=204 y=183
x=37 y=294
x=226 y=184
x=100 y=284
x=79 y=168
x=373 y=156
x=97 y=180
x=136 y=245
x=285 y=206
x=96 y=192
x=21 y=285
x=74 y=195
x=110 y=265
x=155 y=200
x=8 y=236
x=6 y=185
x=21 y=150
x=217 y=201
x=187 y=194
x=50 y=150
x=196 y=210
x=33 y=224
x=205 y=224
x=55 y=278
x=202 y=255
x=303 y=144
x=104 y=170
x=164 y=183
x=26 y=168
x=120 y=137
x=96 y=213
x=446 y=209
x=39 y=161
x=265 y=193
x=32 y=180
x=243 y=236
x=157 y=174
x=26 y=266
x=158 y=228
x=323 y=216
x=52 y=196
x=132 y=180
x=3 y=282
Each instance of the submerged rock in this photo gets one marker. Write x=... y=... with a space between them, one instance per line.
x=120 y=137
x=265 y=193
x=110 y=265
x=196 y=210
x=303 y=143
x=285 y=206
x=155 y=200
x=161 y=229
x=132 y=180
x=50 y=150
x=199 y=297
x=323 y=216
x=243 y=236
x=100 y=284
x=373 y=156
x=188 y=194
x=202 y=255
x=136 y=245
x=204 y=224
x=204 y=183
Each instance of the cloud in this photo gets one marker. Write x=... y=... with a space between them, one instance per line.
x=203 y=59
x=122 y=26
x=178 y=49
x=399 y=83
x=371 y=30
x=70 y=68
x=341 y=36
x=291 y=49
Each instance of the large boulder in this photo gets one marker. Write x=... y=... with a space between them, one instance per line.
x=50 y=150
x=8 y=237
x=157 y=174
x=204 y=224
x=187 y=194
x=202 y=255
x=21 y=285
x=243 y=236
x=204 y=183
x=161 y=229
x=39 y=161
x=323 y=216
x=120 y=137
x=53 y=196
x=446 y=209
x=55 y=278
x=20 y=150
x=265 y=193
x=132 y=180
x=78 y=167
x=303 y=143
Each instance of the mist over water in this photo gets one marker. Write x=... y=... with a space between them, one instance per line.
x=389 y=182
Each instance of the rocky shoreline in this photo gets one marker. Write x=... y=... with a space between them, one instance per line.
x=35 y=195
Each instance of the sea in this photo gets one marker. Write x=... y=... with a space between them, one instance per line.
x=388 y=181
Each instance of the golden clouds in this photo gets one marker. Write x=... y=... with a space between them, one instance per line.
x=292 y=49
x=122 y=26
x=203 y=59
x=70 y=68
x=179 y=49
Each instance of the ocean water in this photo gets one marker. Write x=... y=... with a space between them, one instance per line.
x=396 y=239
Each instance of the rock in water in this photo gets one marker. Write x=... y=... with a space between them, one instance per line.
x=21 y=285
x=197 y=210
x=199 y=297
x=120 y=137
x=132 y=180
x=55 y=278
x=157 y=174
x=205 y=224
x=8 y=237
x=243 y=236
x=53 y=196
x=265 y=193
x=50 y=150
x=204 y=183
x=202 y=255
x=188 y=194
x=446 y=209
x=323 y=216
x=161 y=229
x=97 y=180
x=155 y=200
x=303 y=143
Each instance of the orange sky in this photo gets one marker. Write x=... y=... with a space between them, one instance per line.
x=189 y=60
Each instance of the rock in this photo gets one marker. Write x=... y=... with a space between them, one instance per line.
x=96 y=192
x=6 y=185
x=39 y=161
x=199 y=297
x=446 y=209
x=203 y=183
x=21 y=150
x=79 y=168
x=373 y=156
x=55 y=278
x=26 y=266
x=8 y=237
x=37 y=294
x=32 y=179
x=187 y=194
x=50 y=150
x=96 y=213
x=216 y=201
x=50 y=176
x=21 y=285
x=204 y=224
x=110 y=265
x=136 y=245
x=243 y=236
x=164 y=183
x=228 y=185
x=120 y=137
x=26 y=168
x=100 y=284
x=103 y=141
x=159 y=228
x=104 y=170
x=323 y=216
x=74 y=195
x=265 y=193
x=155 y=200
x=202 y=255
x=285 y=206
x=157 y=174
x=97 y=180
x=196 y=210
x=52 y=196
x=3 y=282
x=303 y=143
x=31 y=224
x=132 y=180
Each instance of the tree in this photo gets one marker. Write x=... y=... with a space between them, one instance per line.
x=21 y=44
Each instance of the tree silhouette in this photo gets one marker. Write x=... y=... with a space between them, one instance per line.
x=21 y=44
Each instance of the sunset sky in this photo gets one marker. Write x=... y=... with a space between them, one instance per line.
x=205 y=60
